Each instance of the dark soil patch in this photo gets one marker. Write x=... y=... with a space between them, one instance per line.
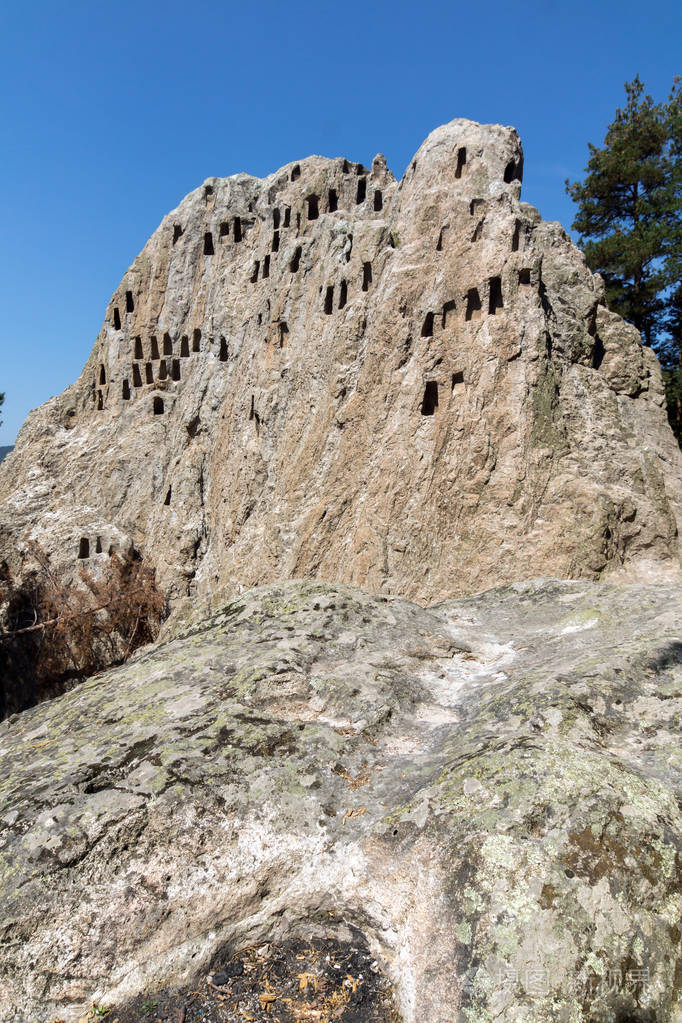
x=316 y=981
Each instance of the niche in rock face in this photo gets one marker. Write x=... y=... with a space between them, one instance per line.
x=149 y=373
x=222 y=354
x=366 y=276
x=313 y=207
x=102 y=375
x=167 y=345
x=343 y=294
x=84 y=548
x=495 y=302
x=138 y=348
x=430 y=399
x=155 y=348
x=125 y=391
x=117 y=319
x=329 y=300
x=208 y=244
x=175 y=370
x=461 y=162
x=224 y=231
x=275 y=241
x=157 y=406
x=238 y=229
x=378 y=201
x=295 y=173
x=177 y=233
x=130 y=305
x=296 y=260
x=448 y=310
x=510 y=172
x=137 y=379
x=184 y=347
x=513 y=171
x=427 y=326
x=266 y=267
x=362 y=191
x=283 y=331
x=473 y=310
x=333 y=204
x=196 y=341
x=516 y=236
x=163 y=372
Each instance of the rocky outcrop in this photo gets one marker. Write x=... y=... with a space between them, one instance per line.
x=484 y=795
x=413 y=387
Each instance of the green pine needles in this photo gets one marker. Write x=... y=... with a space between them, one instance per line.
x=630 y=224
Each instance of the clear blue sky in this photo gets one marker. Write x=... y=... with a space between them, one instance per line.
x=111 y=113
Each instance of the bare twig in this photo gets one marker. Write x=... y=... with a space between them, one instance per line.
x=60 y=619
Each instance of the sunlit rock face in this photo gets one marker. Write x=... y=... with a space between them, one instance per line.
x=414 y=387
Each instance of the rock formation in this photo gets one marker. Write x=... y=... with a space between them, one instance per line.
x=411 y=387
x=484 y=796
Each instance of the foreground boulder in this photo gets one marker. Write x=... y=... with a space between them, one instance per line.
x=414 y=387
x=480 y=800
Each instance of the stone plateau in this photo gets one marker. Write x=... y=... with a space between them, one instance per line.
x=485 y=795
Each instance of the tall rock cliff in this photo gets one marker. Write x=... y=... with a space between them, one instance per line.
x=415 y=387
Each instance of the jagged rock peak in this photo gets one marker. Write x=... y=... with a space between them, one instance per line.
x=413 y=386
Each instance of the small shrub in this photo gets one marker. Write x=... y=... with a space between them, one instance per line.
x=54 y=634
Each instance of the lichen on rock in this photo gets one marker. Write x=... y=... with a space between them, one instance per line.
x=485 y=793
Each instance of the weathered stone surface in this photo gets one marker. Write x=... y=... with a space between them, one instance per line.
x=296 y=328
x=487 y=791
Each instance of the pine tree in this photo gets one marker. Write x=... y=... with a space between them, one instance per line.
x=674 y=123
x=627 y=208
x=671 y=353
x=630 y=224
